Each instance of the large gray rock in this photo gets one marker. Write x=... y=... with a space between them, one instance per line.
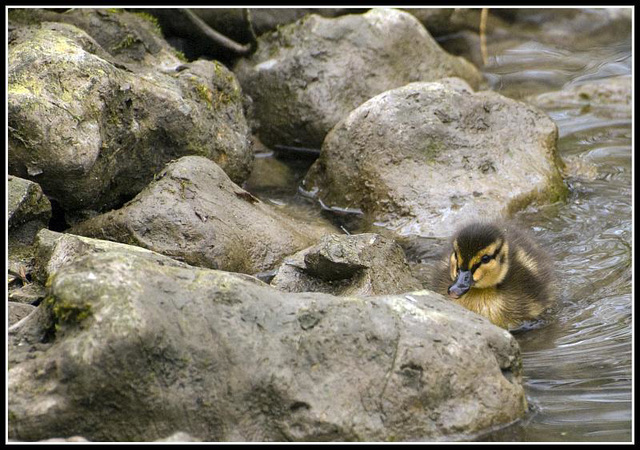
x=195 y=213
x=306 y=76
x=363 y=264
x=126 y=349
x=421 y=158
x=93 y=133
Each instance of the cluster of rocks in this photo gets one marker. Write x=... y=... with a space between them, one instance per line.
x=150 y=315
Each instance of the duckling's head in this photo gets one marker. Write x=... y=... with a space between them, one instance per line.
x=479 y=258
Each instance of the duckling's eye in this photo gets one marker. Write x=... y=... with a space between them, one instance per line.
x=485 y=259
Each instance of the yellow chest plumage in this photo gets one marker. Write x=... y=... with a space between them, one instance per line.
x=488 y=303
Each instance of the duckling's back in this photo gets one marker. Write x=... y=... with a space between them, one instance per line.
x=529 y=286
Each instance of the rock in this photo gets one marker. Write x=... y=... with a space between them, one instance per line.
x=272 y=175
x=93 y=133
x=20 y=268
x=307 y=76
x=193 y=212
x=54 y=250
x=28 y=209
x=363 y=264
x=29 y=293
x=610 y=97
x=132 y=39
x=164 y=349
x=18 y=311
x=422 y=158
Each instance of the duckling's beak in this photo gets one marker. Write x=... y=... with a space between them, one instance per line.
x=461 y=285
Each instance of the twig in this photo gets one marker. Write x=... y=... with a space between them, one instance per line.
x=483 y=36
x=216 y=37
x=253 y=39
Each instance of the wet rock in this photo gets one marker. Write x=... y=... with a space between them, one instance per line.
x=93 y=133
x=271 y=174
x=422 y=158
x=306 y=76
x=28 y=209
x=193 y=212
x=18 y=311
x=364 y=264
x=164 y=349
x=610 y=97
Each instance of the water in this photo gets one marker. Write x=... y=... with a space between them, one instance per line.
x=577 y=368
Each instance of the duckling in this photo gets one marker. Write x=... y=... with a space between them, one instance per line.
x=497 y=271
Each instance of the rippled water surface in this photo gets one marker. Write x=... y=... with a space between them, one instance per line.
x=577 y=368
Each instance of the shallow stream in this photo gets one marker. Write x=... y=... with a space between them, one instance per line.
x=577 y=369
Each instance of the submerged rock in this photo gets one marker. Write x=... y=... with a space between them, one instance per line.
x=193 y=212
x=92 y=132
x=307 y=76
x=422 y=158
x=610 y=97
x=363 y=264
x=575 y=28
x=126 y=349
